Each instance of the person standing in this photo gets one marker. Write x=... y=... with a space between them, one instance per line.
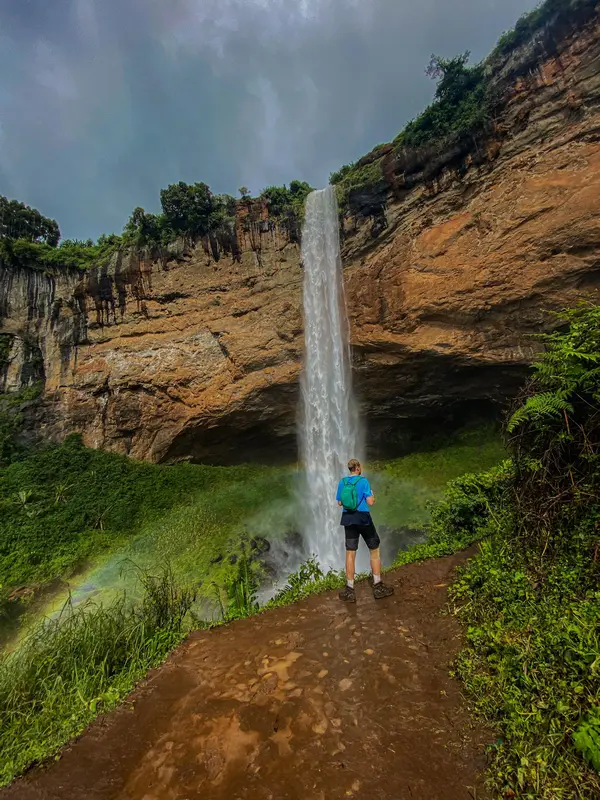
x=355 y=497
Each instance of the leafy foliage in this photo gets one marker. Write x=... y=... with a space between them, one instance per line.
x=308 y=579
x=460 y=105
x=19 y=221
x=560 y=12
x=147 y=230
x=530 y=599
x=587 y=738
x=187 y=208
x=82 y=662
x=287 y=205
x=241 y=587
x=190 y=211
x=11 y=420
x=5 y=345
x=70 y=254
x=77 y=503
x=555 y=433
x=281 y=200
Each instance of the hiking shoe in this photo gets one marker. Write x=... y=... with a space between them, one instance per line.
x=380 y=590
x=348 y=595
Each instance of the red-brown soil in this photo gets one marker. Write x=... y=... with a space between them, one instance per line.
x=318 y=701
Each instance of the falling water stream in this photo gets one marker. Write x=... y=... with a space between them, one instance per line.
x=329 y=432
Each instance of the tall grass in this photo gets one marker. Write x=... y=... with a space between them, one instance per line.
x=83 y=661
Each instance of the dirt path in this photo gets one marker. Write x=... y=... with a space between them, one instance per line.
x=317 y=701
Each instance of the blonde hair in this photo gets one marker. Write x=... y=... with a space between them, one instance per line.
x=353 y=465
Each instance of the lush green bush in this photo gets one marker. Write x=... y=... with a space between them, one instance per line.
x=465 y=515
x=531 y=599
x=460 y=107
x=70 y=254
x=308 y=579
x=66 y=503
x=190 y=211
x=83 y=661
x=287 y=206
x=559 y=12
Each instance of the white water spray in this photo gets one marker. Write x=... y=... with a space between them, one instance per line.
x=329 y=434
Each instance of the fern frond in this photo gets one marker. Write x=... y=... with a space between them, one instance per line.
x=540 y=405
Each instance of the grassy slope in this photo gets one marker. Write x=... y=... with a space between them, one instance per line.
x=406 y=486
x=67 y=504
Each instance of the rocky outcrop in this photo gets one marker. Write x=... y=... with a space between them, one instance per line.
x=449 y=272
x=444 y=301
x=185 y=357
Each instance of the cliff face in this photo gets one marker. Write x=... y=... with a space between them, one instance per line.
x=195 y=357
x=187 y=357
x=444 y=299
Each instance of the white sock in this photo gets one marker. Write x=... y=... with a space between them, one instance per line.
x=350 y=584
x=376 y=579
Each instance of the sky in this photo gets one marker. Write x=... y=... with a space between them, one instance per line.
x=105 y=102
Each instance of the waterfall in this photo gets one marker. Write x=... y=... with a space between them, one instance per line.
x=328 y=435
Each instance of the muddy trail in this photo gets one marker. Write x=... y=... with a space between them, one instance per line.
x=317 y=701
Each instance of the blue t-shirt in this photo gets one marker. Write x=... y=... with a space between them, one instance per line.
x=363 y=490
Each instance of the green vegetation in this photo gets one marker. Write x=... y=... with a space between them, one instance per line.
x=80 y=663
x=64 y=505
x=559 y=12
x=69 y=254
x=282 y=201
x=189 y=211
x=530 y=600
x=462 y=110
x=461 y=107
x=407 y=487
x=308 y=579
x=5 y=345
x=11 y=419
x=18 y=221
x=461 y=103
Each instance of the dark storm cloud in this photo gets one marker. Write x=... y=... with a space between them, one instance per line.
x=103 y=102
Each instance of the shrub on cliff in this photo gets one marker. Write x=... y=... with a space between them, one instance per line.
x=463 y=104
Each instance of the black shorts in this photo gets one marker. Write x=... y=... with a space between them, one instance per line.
x=368 y=533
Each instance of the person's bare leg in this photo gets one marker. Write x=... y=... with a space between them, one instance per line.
x=348 y=594
x=350 y=566
x=380 y=590
x=375 y=565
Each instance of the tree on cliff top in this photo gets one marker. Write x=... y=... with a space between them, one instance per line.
x=145 y=229
x=19 y=221
x=187 y=208
x=280 y=200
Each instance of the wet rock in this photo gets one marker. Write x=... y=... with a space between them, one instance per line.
x=259 y=545
x=294 y=540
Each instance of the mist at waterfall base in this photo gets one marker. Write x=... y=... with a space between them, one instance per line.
x=329 y=430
